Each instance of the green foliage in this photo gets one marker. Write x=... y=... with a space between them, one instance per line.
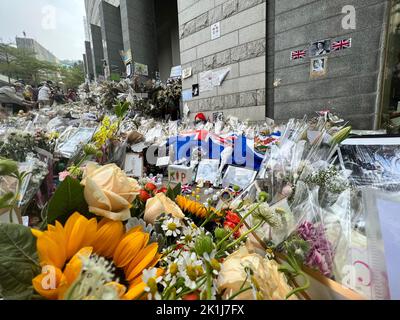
x=172 y=193
x=22 y=64
x=121 y=109
x=67 y=199
x=73 y=77
x=18 y=262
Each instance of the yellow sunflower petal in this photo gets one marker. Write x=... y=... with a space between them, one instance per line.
x=144 y=258
x=135 y=229
x=135 y=291
x=37 y=233
x=77 y=236
x=108 y=237
x=69 y=225
x=43 y=284
x=50 y=252
x=128 y=248
x=121 y=289
x=74 y=267
x=90 y=234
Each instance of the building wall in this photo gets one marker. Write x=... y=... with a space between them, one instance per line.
x=139 y=32
x=167 y=36
x=89 y=61
x=352 y=84
x=112 y=36
x=33 y=46
x=97 y=50
x=241 y=47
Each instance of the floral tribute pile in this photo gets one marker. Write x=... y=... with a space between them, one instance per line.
x=92 y=247
x=104 y=235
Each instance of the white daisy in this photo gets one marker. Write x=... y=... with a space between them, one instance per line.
x=171 y=226
x=151 y=280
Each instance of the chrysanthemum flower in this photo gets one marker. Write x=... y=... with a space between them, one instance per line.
x=60 y=249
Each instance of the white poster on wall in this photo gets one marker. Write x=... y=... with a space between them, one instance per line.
x=215 y=31
x=206 y=81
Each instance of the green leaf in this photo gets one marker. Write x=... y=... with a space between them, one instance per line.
x=172 y=193
x=5 y=201
x=67 y=199
x=18 y=261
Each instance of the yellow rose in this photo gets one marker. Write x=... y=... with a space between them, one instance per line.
x=108 y=191
x=160 y=204
x=272 y=284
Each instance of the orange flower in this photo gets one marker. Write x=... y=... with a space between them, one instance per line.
x=60 y=249
x=192 y=207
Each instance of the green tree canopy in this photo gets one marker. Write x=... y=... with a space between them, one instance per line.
x=22 y=64
x=74 y=76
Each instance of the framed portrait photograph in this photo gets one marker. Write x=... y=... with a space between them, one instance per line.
x=236 y=176
x=320 y=48
x=195 y=90
x=319 y=67
x=133 y=165
x=208 y=171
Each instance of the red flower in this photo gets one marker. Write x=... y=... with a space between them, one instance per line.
x=232 y=217
x=144 y=195
x=150 y=186
x=162 y=190
x=229 y=225
x=191 y=296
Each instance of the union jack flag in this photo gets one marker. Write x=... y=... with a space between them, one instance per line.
x=298 y=54
x=341 y=44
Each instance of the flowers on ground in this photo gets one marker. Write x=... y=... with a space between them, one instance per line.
x=61 y=248
x=260 y=276
x=108 y=191
x=160 y=204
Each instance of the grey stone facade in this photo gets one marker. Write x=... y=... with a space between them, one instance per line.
x=89 y=61
x=111 y=31
x=241 y=47
x=139 y=32
x=352 y=84
x=97 y=50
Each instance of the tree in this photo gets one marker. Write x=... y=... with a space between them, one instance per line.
x=73 y=76
x=22 y=65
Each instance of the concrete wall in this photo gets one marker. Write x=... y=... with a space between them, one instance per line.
x=112 y=36
x=167 y=36
x=89 y=60
x=352 y=83
x=241 y=47
x=97 y=50
x=139 y=32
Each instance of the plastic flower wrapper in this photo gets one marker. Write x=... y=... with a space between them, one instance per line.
x=310 y=227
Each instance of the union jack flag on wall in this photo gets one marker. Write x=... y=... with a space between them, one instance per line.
x=298 y=54
x=341 y=44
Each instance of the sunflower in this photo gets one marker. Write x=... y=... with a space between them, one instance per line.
x=193 y=207
x=60 y=249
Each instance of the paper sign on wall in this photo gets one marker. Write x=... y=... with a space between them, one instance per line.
x=210 y=79
x=215 y=31
x=176 y=72
x=186 y=73
x=206 y=81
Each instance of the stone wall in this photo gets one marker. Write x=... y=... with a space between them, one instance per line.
x=352 y=84
x=241 y=47
x=112 y=36
x=139 y=32
x=97 y=50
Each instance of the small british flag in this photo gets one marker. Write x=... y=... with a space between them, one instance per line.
x=341 y=44
x=298 y=54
